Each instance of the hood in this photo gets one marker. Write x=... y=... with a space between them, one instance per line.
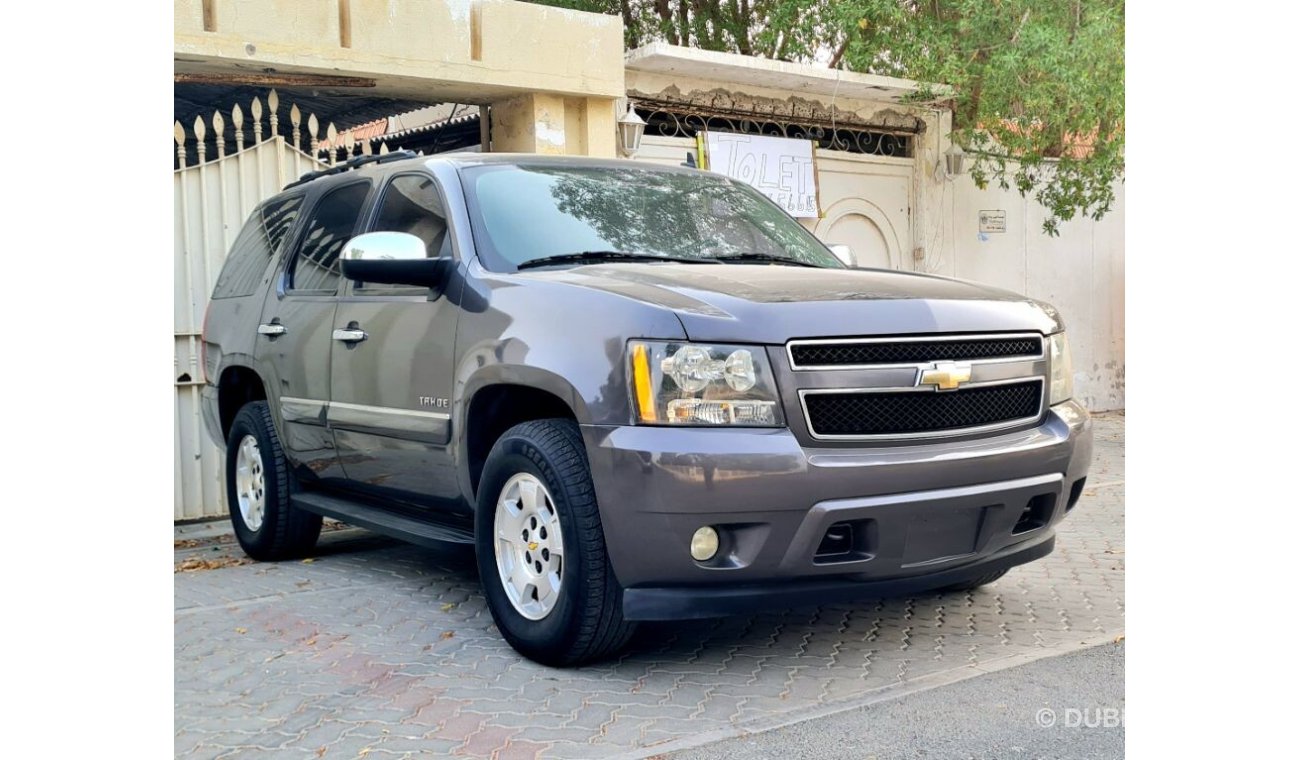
x=772 y=304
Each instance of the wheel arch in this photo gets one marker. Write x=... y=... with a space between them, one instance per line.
x=500 y=401
x=238 y=385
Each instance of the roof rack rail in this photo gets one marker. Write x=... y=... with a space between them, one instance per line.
x=353 y=163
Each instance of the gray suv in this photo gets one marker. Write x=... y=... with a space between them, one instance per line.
x=640 y=393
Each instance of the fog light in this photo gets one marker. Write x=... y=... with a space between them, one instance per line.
x=704 y=544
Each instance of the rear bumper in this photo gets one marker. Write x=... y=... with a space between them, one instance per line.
x=917 y=517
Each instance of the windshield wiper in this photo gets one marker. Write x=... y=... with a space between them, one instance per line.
x=767 y=257
x=587 y=257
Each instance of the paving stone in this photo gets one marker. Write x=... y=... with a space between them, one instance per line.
x=349 y=652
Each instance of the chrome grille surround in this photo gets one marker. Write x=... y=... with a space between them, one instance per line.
x=919 y=339
x=905 y=377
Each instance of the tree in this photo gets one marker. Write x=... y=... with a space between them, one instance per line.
x=1038 y=84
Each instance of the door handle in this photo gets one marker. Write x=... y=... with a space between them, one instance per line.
x=350 y=334
x=272 y=329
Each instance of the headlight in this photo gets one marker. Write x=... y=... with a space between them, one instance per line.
x=694 y=384
x=1062 y=388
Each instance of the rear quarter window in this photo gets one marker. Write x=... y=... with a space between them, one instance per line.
x=257 y=244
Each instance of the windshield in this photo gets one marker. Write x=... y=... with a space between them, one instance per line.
x=525 y=213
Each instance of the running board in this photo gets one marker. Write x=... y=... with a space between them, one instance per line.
x=433 y=535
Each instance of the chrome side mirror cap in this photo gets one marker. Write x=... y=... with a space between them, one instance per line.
x=394 y=258
x=384 y=246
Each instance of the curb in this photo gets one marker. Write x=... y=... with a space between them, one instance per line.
x=764 y=724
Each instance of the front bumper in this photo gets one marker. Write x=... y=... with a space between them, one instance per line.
x=917 y=516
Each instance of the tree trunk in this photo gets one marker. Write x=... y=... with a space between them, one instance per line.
x=629 y=24
x=839 y=53
x=664 y=10
x=742 y=30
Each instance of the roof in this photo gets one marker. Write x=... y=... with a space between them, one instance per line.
x=536 y=159
x=393 y=164
x=732 y=68
x=439 y=118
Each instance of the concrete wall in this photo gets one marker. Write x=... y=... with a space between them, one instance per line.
x=468 y=51
x=554 y=125
x=1081 y=272
x=552 y=75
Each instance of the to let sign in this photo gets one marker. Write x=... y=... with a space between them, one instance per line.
x=993 y=221
x=778 y=167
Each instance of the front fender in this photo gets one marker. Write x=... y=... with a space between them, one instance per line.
x=567 y=340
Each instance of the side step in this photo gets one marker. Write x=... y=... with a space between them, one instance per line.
x=433 y=535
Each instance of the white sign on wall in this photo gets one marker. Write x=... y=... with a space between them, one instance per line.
x=779 y=167
x=993 y=220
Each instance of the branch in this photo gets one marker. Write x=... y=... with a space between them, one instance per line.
x=1023 y=19
x=839 y=53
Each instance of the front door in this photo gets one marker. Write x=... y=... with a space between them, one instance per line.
x=295 y=331
x=391 y=380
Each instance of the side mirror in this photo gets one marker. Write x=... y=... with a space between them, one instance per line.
x=843 y=253
x=393 y=258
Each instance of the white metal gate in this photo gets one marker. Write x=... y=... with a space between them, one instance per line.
x=214 y=192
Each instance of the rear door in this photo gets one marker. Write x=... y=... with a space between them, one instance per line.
x=295 y=330
x=390 y=392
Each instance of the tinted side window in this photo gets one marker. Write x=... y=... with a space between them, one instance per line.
x=411 y=204
x=257 y=243
x=328 y=228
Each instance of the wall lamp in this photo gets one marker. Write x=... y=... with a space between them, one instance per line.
x=630 y=129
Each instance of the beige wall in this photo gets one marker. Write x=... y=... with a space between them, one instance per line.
x=561 y=68
x=554 y=125
x=473 y=51
x=1081 y=272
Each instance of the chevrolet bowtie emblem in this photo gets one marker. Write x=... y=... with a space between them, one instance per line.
x=532 y=546
x=945 y=376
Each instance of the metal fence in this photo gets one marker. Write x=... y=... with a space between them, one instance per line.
x=213 y=192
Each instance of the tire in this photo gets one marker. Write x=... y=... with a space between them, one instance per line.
x=266 y=525
x=582 y=620
x=975 y=583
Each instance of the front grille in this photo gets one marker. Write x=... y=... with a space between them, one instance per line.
x=894 y=413
x=850 y=353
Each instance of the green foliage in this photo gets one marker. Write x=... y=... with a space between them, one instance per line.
x=1039 y=84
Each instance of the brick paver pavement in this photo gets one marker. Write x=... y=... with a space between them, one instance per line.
x=378 y=649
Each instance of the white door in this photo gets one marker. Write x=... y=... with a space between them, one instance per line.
x=866 y=204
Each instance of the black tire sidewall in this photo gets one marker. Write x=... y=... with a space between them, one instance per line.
x=250 y=420
x=538 y=639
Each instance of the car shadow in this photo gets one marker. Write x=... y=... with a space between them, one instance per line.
x=775 y=632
